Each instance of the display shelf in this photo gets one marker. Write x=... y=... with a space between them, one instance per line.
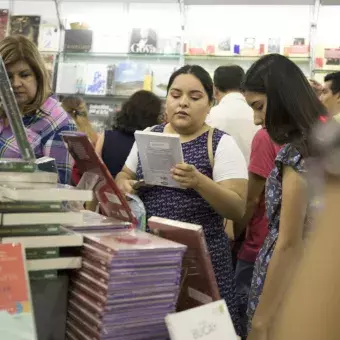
x=152 y=56
x=94 y=97
x=320 y=70
x=239 y=58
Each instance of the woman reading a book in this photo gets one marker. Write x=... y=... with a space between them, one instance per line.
x=278 y=90
x=43 y=117
x=214 y=189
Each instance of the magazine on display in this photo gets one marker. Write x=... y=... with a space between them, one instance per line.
x=26 y=25
x=199 y=284
x=128 y=283
x=159 y=152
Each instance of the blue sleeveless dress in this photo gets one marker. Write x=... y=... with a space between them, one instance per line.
x=189 y=206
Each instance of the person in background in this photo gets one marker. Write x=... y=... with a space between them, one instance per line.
x=330 y=96
x=276 y=89
x=232 y=114
x=214 y=191
x=262 y=161
x=75 y=106
x=141 y=110
x=42 y=115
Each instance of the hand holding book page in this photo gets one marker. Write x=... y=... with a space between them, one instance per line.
x=159 y=153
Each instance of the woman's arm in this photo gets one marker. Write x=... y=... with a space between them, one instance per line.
x=287 y=251
x=228 y=198
x=256 y=185
x=227 y=191
x=312 y=307
x=100 y=143
x=125 y=180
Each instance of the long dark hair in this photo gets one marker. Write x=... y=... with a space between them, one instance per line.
x=292 y=106
x=200 y=73
x=143 y=109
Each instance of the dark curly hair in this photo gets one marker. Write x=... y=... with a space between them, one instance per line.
x=143 y=109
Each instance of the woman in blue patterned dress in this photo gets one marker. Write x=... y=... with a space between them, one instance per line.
x=213 y=193
x=277 y=89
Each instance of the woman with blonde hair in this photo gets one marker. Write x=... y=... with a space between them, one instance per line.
x=75 y=106
x=43 y=117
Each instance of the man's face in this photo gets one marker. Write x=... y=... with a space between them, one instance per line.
x=329 y=99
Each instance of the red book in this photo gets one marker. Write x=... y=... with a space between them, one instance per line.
x=16 y=317
x=198 y=282
x=112 y=201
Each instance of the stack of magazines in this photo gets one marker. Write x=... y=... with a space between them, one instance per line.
x=129 y=282
x=97 y=223
x=31 y=213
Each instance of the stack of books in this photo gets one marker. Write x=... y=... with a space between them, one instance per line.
x=31 y=213
x=97 y=223
x=128 y=283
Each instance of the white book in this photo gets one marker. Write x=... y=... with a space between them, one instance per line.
x=54 y=264
x=65 y=240
x=43 y=192
x=9 y=219
x=29 y=177
x=159 y=152
x=208 y=322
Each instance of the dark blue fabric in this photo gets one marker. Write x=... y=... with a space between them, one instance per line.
x=116 y=149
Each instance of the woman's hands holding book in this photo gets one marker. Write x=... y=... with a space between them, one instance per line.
x=186 y=175
x=127 y=186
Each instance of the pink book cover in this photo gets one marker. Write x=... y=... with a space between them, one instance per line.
x=131 y=240
x=111 y=199
x=198 y=282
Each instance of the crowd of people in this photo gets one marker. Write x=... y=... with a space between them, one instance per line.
x=256 y=179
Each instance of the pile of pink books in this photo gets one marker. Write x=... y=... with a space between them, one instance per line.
x=129 y=282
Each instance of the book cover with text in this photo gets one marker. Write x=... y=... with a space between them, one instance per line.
x=26 y=25
x=16 y=311
x=129 y=78
x=143 y=40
